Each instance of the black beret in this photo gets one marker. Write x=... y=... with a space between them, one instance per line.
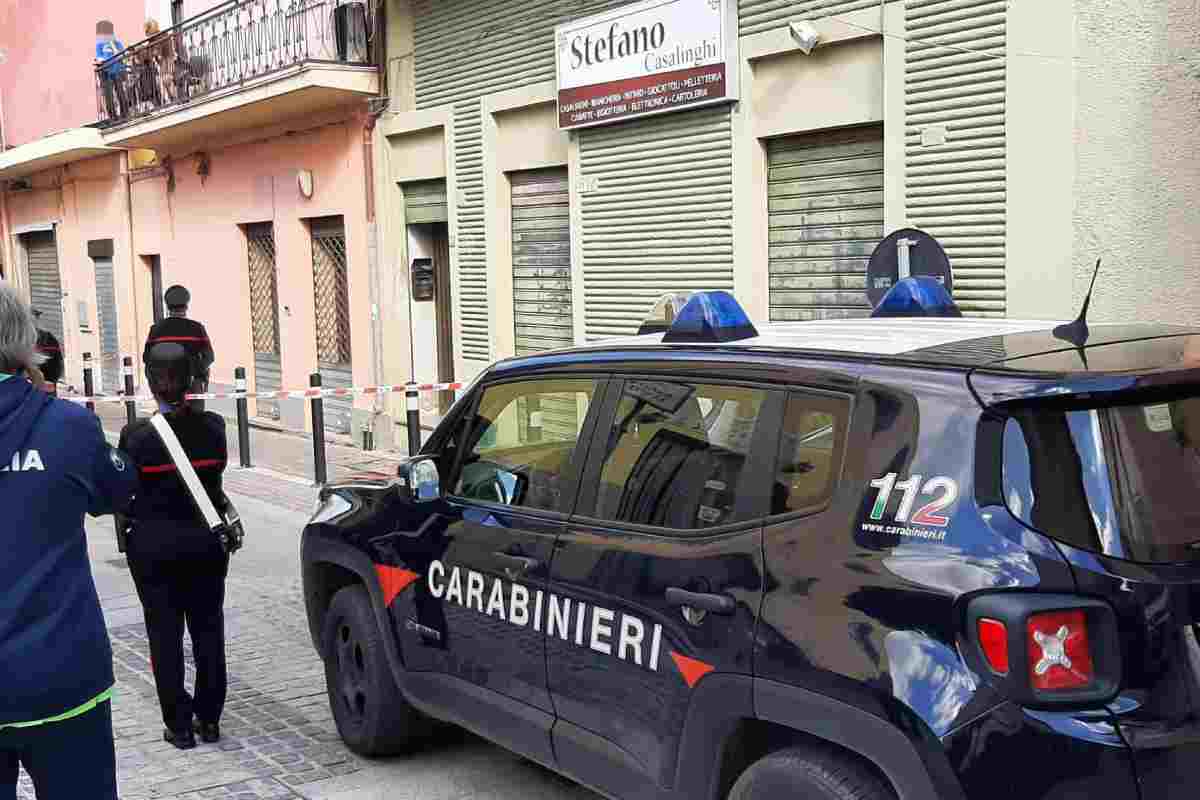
x=177 y=296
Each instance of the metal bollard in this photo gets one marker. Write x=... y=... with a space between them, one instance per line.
x=243 y=417
x=320 y=467
x=88 y=387
x=130 y=404
x=413 y=401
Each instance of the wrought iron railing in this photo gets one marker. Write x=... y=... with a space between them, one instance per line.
x=226 y=47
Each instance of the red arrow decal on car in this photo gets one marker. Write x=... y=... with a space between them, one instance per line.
x=393 y=581
x=691 y=669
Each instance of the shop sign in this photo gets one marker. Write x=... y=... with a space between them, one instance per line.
x=646 y=58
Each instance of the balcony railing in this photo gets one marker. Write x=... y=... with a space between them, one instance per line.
x=226 y=47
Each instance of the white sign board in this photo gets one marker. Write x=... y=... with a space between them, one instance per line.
x=646 y=58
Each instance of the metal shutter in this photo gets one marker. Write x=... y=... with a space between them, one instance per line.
x=957 y=190
x=760 y=15
x=45 y=283
x=471 y=253
x=425 y=201
x=541 y=234
x=466 y=49
x=106 y=317
x=657 y=216
x=264 y=315
x=825 y=206
x=331 y=301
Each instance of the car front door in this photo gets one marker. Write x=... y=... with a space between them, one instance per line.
x=657 y=581
x=475 y=645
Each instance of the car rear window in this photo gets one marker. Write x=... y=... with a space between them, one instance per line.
x=1121 y=479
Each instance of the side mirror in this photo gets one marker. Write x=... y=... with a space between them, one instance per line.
x=418 y=480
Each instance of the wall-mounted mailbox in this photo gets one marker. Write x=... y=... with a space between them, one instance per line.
x=424 y=279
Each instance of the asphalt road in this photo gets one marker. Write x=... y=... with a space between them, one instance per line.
x=280 y=739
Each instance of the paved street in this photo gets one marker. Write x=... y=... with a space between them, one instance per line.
x=280 y=740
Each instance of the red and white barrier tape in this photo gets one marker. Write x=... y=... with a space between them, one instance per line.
x=295 y=394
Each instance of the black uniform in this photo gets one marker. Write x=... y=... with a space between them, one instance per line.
x=49 y=346
x=178 y=565
x=187 y=332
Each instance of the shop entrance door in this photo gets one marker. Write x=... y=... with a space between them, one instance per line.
x=825 y=202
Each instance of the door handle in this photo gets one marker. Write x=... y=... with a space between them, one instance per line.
x=716 y=603
x=516 y=564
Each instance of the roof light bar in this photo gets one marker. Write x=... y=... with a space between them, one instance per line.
x=710 y=317
x=917 y=296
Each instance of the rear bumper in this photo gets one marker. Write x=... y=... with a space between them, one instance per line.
x=1013 y=753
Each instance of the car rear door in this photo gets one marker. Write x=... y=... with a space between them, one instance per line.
x=475 y=645
x=657 y=581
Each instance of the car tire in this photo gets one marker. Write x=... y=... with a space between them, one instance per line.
x=809 y=774
x=371 y=714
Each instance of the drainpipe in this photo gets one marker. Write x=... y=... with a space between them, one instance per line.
x=373 y=270
x=133 y=273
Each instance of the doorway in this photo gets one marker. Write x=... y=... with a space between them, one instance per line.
x=264 y=316
x=432 y=315
x=154 y=264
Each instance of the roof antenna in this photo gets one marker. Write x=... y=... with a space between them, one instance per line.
x=1077 y=332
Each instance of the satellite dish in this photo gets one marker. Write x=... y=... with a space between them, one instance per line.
x=925 y=257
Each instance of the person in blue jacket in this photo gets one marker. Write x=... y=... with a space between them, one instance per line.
x=112 y=75
x=55 y=658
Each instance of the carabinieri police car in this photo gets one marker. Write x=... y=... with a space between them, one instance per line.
x=916 y=556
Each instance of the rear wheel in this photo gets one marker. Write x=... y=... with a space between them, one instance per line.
x=372 y=716
x=809 y=774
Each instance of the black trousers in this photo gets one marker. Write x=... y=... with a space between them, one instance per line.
x=67 y=760
x=174 y=594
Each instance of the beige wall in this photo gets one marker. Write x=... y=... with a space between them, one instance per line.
x=1137 y=159
x=1040 y=159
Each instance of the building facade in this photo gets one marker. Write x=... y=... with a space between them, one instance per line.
x=409 y=189
x=1029 y=138
x=228 y=154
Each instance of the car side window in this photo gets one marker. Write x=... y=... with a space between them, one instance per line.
x=523 y=441
x=811 y=444
x=676 y=454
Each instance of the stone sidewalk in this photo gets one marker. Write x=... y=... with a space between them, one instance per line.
x=284 y=452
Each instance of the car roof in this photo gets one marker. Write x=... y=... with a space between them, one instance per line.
x=879 y=336
x=960 y=343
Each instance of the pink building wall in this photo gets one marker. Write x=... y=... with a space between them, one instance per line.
x=47 y=82
x=87 y=201
x=196 y=230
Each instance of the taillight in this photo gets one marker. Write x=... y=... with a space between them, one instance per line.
x=1045 y=650
x=1059 y=654
x=993 y=640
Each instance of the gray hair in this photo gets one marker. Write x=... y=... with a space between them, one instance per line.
x=18 y=332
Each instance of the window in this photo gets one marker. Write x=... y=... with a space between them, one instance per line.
x=810 y=452
x=523 y=440
x=676 y=455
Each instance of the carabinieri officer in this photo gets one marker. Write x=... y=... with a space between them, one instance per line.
x=178 y=565
x=189 y=333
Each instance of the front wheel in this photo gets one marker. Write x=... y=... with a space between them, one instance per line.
x=372 y=716
x=811 y=774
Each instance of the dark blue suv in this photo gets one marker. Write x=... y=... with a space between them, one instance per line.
x=883 y=558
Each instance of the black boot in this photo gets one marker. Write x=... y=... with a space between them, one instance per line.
x=210 y=732
x=184 y=740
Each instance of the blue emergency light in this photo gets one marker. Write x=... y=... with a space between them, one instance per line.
x=710 y=317
x=917 y=296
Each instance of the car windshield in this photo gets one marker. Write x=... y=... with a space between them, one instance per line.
x=1122 y=479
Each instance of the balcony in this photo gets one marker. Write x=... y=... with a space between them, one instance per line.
x=243 y=64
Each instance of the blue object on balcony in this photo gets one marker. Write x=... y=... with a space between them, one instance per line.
x=710 y=317
x=917 y=297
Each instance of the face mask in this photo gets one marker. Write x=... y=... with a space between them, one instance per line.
x=165 y=408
